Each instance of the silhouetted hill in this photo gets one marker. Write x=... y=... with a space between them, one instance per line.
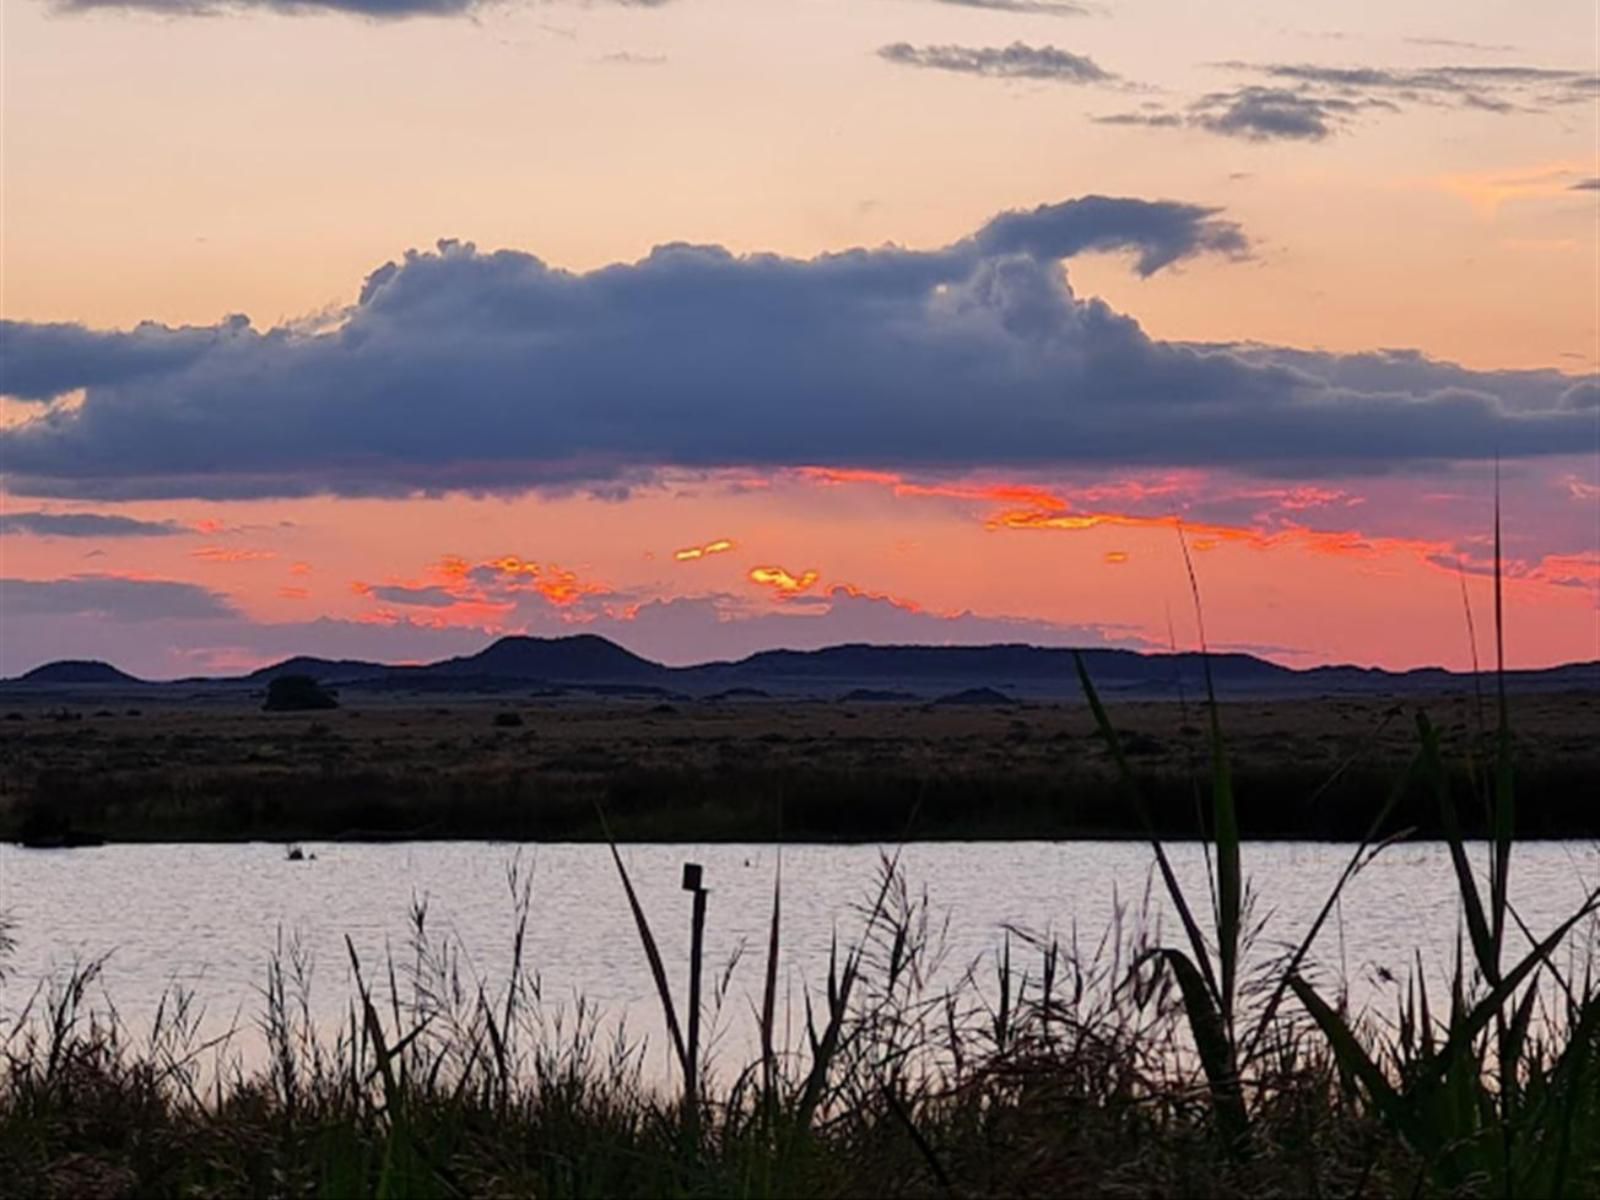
x=857 y=671
x=996 y=665
x=579 y=659
x=323 y=670
x=78 y=671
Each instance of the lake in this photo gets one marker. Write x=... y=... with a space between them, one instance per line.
x=208 y=916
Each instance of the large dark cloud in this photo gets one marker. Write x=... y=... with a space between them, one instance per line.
x=383 y=10
x=85 y=525
x=1016 y=61
x=463 y=370
x=113 y=598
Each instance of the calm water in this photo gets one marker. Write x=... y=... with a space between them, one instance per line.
x=208 y=916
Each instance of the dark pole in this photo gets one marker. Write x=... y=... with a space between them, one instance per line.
x=697 y=929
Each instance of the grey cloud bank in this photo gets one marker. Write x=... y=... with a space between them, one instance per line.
x=1308 y=102
x=85 y=525
x=460 y=370
x=1016 y=61
x=112 y=598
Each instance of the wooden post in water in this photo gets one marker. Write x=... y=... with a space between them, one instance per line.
x=692 y=874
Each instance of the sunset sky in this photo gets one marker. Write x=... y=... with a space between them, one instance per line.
x=379 y=328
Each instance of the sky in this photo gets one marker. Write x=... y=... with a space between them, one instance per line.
x=382 y=328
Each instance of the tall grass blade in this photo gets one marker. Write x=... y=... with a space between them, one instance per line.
x=1224 y=814
x=1130 y=789
x=652 y=952
x=1478 y=929
x=1504 y=817
x=1354 y=1060
x=769 y=994
x=1212 y=1043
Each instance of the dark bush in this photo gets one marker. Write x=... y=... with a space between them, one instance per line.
x=507 y=720
x=297 y=693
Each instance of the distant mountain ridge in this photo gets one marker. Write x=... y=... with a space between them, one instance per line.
x=586 y=660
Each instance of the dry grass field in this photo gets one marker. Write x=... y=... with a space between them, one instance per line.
x=216 y=767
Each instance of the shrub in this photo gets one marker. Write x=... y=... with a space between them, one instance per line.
x=297 y=693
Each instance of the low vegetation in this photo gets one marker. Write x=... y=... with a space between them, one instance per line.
x=759 y=770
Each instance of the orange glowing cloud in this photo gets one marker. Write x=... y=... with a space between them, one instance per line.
x=293 y=593
x=856 y=593
x=230 y=554
x=561 y=586
x=300 y=568
x=782 y=582
x=1027 y=507
x=1004 y=493
x=691 y=553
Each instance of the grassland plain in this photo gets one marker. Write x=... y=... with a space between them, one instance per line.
x=516 y=767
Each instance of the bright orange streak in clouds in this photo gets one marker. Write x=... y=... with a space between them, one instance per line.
x=855 y=593
x=1116 y=557
x=1042 y=508
x=782 y=582
x=691 y=553
x=227 y=554
x=998 y=493
x=559 y=585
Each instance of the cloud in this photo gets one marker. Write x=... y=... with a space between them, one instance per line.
x=1587 y=185
x=1016 y=61
x=1457 y=44
x=1270 y=114
x=231 y=554
x=1042 y=8
x=85 y=525
x=1153 y=119
x=692 y=553
x=379 y=10
x=431 y=596
x=115 y=598
x=1495 y=89
x=1308 y=102
x=1255 y=113
x=630 y=58
x=783 y=583
x=460 y=370
x=54 y=353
